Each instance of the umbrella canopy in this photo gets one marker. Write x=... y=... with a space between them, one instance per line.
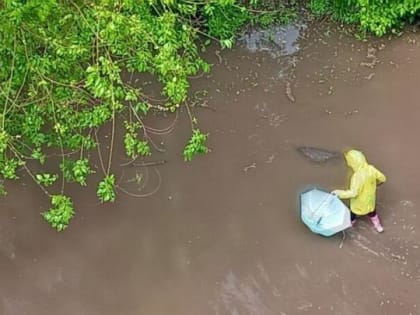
x=324 y=213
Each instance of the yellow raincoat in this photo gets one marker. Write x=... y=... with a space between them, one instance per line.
x=362 y=192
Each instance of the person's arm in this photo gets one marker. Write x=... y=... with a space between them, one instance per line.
x=380 y=177
x=352 y=191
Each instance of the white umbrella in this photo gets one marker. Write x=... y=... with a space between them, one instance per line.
x=324 y=213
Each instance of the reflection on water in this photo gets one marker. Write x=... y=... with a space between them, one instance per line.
x=277 y=40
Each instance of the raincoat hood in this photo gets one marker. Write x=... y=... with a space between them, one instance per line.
x=355 y=159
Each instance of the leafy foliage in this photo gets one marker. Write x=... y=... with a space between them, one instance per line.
x=196 y=145
x=62 y=67
x=106 y=190
x=76 y=171
x=266 y=12
x=378 y=16
x=46 y=179
x=133 y=146
x=61 y=212
x=224 y=19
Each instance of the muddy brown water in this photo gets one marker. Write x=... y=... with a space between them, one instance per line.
x=222 y=234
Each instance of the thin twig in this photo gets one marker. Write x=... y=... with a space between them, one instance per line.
x=112 y=141
x=5 y=112
x=111 y=147
x=146 y=179
x=99 y=152
x=145 y=132
x=12 y=71
x=143 y=195
x=207 y=107
x=190 y=116
x=196 y=103
x=152 y=130
x=207 y=35
x=16 y=153
x=147 y=164
x=154 y=145
x=131 y=162
x=61 y=143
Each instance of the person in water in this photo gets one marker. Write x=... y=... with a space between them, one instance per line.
x=362 y=191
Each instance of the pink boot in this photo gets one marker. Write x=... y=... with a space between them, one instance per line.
x=377 y=223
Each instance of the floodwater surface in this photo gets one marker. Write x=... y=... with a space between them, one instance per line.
x=222 y=234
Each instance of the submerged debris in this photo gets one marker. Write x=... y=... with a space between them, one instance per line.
x=370 y=76
x=247 y=168
x=371 y=56
x=289 y=92
x=317 y=154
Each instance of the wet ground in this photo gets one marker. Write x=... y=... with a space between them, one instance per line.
x=222 y=234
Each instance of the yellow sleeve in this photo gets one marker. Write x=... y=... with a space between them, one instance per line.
x=355 y=184
x=380 y=177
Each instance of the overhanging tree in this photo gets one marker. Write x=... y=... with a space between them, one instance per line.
x=61 y=66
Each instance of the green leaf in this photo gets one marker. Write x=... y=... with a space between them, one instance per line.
x=142 y=108
x=3 y=191
x=46 y=179
x=81 y=170
x=38 y=155
x=61 y=212
x=4 y=139
x=106 y=189
x=196 y=145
